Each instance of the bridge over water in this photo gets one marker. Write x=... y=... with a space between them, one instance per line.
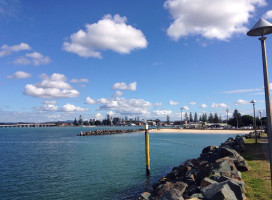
x=27 y=125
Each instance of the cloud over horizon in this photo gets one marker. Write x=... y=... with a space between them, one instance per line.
x=54 y=86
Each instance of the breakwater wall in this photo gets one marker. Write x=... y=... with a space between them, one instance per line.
x=215 y=175
x=108 y=132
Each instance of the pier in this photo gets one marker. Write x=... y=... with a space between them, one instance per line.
x=27 y=125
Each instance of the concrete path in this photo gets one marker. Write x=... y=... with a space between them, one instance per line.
x=264 y=141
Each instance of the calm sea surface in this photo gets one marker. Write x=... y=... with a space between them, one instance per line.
x=54 y=163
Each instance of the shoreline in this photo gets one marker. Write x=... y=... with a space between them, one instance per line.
x=215 y=174
x=201 y=131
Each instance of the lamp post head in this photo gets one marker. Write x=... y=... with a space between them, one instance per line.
x=253 y=101
x=261 y=28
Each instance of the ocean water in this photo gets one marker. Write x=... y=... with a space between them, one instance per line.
x=54 y=163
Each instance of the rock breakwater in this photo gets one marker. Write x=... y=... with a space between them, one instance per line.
x=215 y=175
x=108 y=132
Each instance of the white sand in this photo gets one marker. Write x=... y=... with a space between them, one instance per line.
x=206 y=131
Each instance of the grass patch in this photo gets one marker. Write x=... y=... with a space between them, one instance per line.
x=258 y=178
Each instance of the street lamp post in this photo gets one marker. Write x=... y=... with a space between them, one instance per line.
x=261 y=28
x=254 y=119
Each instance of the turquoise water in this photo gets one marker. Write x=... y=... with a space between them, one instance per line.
x=54 y=163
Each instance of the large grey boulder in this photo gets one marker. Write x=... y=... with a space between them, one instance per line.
x=206 y=182
x=239 y=161
x=168 y=186
x=172 y=195
x=227 y=190
x=221 y=166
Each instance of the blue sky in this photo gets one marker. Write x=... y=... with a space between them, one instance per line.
x=143 y=58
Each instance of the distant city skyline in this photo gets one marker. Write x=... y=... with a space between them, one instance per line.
x=130 y=59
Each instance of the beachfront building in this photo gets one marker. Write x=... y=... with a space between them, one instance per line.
x=215 y=125
x=116 y=121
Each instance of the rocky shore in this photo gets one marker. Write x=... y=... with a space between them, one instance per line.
x=108 y=132
x=215 y=175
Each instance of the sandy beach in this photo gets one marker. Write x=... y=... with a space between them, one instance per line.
x=206 y=131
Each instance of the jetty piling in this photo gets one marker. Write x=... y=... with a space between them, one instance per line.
x=147 y=150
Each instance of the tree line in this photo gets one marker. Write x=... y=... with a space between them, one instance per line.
x=91 y=122
x=236 y=119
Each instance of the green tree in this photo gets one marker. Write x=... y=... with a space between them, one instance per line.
x=200 y=118
x=86 y=123
x=204 y=117
x=236 y=119
x=80 y=121
x=75 y=123
x=195 y=117
x=215 y=119
x=191 y=117
x=97 y=123
x=186 y=118
x=210 y=119
x=247 y=120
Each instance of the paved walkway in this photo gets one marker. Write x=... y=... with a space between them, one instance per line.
x=264 y=141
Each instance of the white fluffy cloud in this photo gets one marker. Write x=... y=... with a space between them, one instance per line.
x=123 y=86
x=160 y=113
x=89 y=100
x=219 y=105
x=55 y=81
x=50 y=102
x=110 y=113
x=268 y=15
x=241 y=101
x=19 y=75
x=109 y=33
x=38 y=59
x=71 y=108
x=98 y=116
x=157 y=104
x=7 y=50
x=48 y=106
x=192 y=103
x=210 y=18
x=34 y=58
x=185 y=108
x=173 y=103
x=82 y=80
x=203 y=105
x=123 y=106
x=118 y=94
x=22 y=61
x=54 y=86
